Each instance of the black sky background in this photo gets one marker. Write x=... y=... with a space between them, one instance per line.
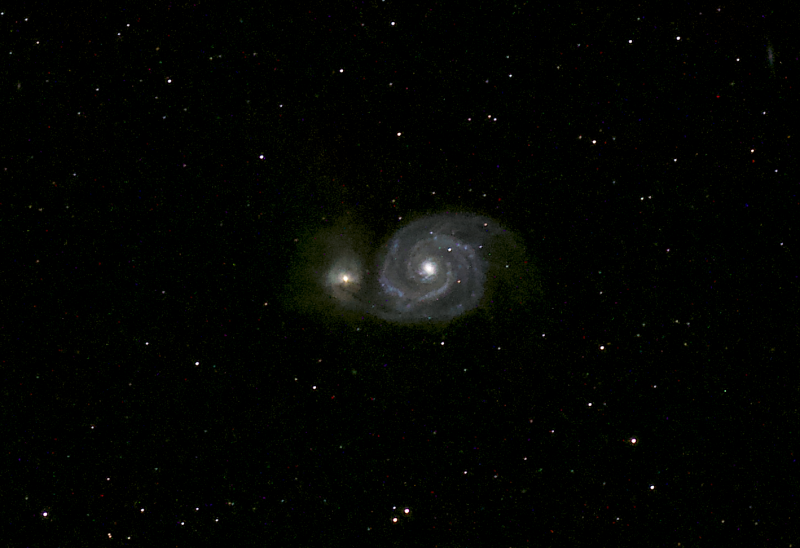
x=162 y=164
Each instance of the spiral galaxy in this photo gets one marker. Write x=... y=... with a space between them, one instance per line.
x=433 y=269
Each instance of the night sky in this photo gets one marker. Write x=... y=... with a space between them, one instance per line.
x=174 y=374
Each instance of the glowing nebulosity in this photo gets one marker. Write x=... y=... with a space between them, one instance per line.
x=433 y=269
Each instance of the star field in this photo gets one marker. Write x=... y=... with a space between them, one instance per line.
x=188 y=358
